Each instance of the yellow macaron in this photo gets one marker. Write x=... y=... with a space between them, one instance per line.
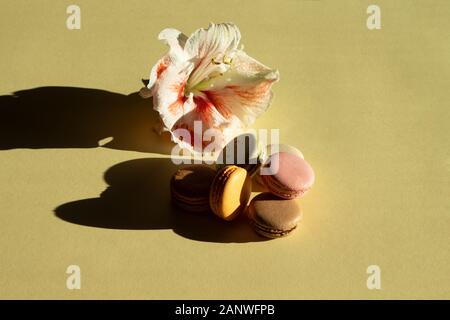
x=230 y=192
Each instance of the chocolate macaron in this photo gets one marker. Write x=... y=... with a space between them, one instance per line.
x=190 y=187
x=230 y=192
x=242 y=151
x=287 y=175
x=273 y=217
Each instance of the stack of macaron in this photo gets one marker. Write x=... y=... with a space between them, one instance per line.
x=226 y=189
x=287 y=177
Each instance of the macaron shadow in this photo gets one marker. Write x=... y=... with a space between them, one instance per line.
x=138 y=198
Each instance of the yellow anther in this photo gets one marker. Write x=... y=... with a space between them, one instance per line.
x=227 y=60
x=215 y=62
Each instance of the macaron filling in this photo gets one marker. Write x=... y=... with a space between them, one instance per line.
x=280 y=190
x=270 y=232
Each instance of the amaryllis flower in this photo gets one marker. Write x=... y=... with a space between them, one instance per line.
x=207 y=78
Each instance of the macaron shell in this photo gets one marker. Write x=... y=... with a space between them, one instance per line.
x=236 y=193
x=193 y=180
x=230 y=192
x=277 y=213
x=273 y=217
x=190 y=187
x=292 y=177
x=272 y=149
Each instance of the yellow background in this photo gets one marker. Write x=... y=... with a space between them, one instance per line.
x=369 y=109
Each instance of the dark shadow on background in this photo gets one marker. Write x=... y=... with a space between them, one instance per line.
x=69 y=117
x=138 y=198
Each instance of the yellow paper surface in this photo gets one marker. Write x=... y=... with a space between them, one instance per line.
x=368 y=108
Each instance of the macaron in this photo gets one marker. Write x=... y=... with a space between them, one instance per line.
x=273 y=217
x=241 y=151
x=270 y=150
x=230 y=192
x=190 y=186
x=287 y=175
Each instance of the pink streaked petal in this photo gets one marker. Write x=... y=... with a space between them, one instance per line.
x=244 y=91
x=204 y=45
x=206 y=113
x=168 y=97
x=156 y=72
x=161 y=67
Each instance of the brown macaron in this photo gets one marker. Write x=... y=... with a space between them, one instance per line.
x=190 y=186
x=273 y=217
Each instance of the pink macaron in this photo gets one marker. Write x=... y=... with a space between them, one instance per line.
x=289 y=176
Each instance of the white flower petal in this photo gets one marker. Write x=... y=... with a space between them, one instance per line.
x=206 y=78
x=204 y=45
x=244 y=91
x=204 y=112
x=176 y=41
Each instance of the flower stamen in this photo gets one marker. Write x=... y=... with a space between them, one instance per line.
x=227 y=60
x=213 y=61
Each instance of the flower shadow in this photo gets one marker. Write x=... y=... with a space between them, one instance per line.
x=71 y=117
